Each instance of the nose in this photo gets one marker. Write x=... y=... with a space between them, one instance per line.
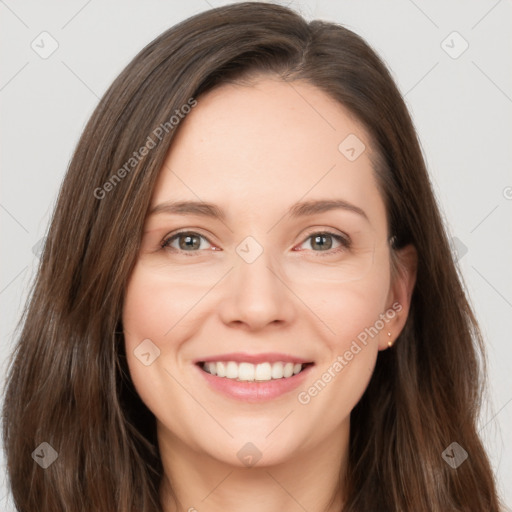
x=256 y=296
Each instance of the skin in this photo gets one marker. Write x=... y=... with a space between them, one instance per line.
x=254 y=150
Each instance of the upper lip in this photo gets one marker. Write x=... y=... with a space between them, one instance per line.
x=239 y=357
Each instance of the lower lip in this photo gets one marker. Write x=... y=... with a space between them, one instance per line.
x=254 y=391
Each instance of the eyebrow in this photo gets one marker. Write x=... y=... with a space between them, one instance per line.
x=300 y=209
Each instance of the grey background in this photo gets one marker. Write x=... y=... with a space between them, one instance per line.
x=461 y=108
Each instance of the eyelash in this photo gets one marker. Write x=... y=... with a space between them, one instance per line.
x=345 y=242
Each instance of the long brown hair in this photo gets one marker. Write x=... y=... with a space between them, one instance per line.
x=68 y=383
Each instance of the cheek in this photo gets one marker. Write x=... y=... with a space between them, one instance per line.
x=152 y=313
x=349 y=309
x=353 y=314
x=155 y=306
x=158 y=310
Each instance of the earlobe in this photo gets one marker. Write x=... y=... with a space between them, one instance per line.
x=400 y=293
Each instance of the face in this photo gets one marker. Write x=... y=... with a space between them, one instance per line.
x=247 y=318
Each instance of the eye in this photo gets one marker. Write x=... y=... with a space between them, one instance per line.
x=187 y=241
x=323 y=241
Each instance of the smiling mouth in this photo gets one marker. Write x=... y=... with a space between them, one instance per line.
x=248 y=372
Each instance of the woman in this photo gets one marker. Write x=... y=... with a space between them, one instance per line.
x=186 y=347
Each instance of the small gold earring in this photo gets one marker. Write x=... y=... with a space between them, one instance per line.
x=390 y=343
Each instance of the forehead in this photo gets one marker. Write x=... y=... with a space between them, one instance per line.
x=264 y=146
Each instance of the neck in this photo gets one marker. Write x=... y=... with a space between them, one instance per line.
x=307 y=480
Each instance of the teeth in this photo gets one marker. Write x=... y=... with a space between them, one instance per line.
x=232 y=370
x=221 y=369
x=263 y=371
x=288 y=370
x=211 y=368
x=277 y=371
x=252 y=372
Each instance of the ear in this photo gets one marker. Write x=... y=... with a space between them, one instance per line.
x=403 y=279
